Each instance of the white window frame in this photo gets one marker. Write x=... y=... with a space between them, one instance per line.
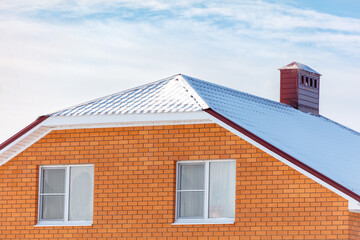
x=66 y=221
x=206 y=219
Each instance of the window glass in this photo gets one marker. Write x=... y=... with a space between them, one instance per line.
x=191 y=190
x=81 y=193
x=222 y=190
x=206 y=190
x=191 y=204
x=53 y=180
x=52 y=199
x=192 y=177
x=52 y=207
x=66 y=193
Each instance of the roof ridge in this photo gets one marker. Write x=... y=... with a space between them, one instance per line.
x=113 y=94
x=237 y=91
x=192 y=91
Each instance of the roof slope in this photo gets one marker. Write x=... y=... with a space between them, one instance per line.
x=318 y=142
x=167 y=95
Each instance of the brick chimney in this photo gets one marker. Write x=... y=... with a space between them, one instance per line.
x=299 y=87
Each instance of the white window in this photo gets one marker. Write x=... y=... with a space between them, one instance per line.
x=66 y=195
x=205 y=192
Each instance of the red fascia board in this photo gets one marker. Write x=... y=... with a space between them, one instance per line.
x=284 y=155
x=23 y=131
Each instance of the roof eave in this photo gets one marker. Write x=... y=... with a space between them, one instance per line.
x=22 y=132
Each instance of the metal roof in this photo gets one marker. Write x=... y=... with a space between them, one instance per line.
x=296 y=65
x=168 y=95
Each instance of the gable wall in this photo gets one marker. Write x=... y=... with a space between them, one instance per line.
x=134 y=196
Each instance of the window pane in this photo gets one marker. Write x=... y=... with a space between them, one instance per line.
x=192 y=177
x=81 y=193
x=222 y=190
x=53 y=180
x=52 y=207
x=191 y=204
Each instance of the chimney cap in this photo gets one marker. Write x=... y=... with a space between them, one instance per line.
x=296 y=65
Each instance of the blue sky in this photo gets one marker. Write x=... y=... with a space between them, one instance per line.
x=345 y=8
x=55 y=54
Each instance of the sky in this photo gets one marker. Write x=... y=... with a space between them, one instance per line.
x=55 y=54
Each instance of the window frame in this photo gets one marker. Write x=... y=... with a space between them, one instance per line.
x=206 y=219
x=66 y=221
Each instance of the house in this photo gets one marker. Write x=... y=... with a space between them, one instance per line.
x=183 y=158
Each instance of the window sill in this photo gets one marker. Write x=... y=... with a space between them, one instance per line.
x=63 y=224
x=203 y=221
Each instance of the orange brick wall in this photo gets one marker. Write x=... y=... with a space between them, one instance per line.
x=354 y=226
x=134 y=195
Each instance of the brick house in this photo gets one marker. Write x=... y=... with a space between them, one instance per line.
x=182 y=158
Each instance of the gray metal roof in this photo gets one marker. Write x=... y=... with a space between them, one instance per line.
x=318 y=142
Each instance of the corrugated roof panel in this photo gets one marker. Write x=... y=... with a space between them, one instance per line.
x=168 y=95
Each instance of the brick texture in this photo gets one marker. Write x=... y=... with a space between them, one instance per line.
x=134 y=195
x=354 y=226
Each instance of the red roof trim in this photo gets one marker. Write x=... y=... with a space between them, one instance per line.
x=23 y=131
x=284 y=155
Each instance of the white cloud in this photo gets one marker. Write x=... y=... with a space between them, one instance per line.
x=46 y=65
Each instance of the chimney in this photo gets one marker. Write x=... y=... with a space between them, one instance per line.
x=299 y=87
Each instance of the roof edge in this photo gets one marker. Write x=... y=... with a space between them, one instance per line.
x=23 y=131
x=45 y=124
x=283 y=154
